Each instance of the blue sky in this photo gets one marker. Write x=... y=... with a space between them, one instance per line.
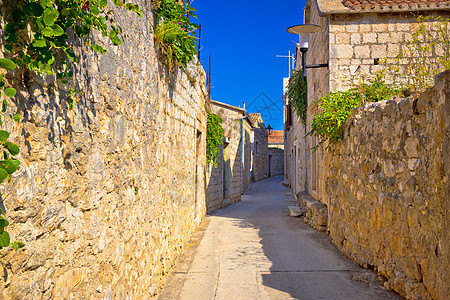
x=243 y=38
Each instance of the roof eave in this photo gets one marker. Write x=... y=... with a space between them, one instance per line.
x=327 y=7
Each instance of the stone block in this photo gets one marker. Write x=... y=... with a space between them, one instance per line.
x=355 y=39
x=362 y=52
x=295 y=211
x=378 y=51
x=342 y=51
x=393 y=50
x=342 y=38
x=383 y=38
x=405 y=106
x=369 y=38
x=412 y=147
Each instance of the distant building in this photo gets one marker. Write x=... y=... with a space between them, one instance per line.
x=276 y=153
x=226 y=182
x=260 y=158
x=276 y=139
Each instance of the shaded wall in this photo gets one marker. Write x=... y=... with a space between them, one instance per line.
x=260 y=168
x=109 y=192
x=226 y=183
x=276 y=161
x=389 y=191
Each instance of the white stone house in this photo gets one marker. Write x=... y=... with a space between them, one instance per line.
x=355 y=36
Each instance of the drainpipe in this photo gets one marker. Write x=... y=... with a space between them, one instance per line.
x=242 y=152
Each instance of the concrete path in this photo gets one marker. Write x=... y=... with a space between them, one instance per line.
x=254 y=250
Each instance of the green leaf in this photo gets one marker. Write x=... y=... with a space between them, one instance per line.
x=50 y=15
x=10 y=92
x=8 y=48
x=45 y=3
x=3 y=174
x=33 y=9
x=47 y=31
x=103 y=3
x=7 y=64
x=4 y=105
x=57 y=30
x=17 y=245
x=10 y=165
x=4 y=135
x=12 y=148
x=98 y=49
x=39 y=43
x=3 y=223
x=4 y=239
x=114 y=37
x=16 y=118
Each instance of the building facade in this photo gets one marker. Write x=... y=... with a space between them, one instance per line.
x=260 y=157
x=354 y=39
x=228 y=181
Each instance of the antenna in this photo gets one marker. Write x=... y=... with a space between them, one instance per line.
x=293 y=61
x=304 y=15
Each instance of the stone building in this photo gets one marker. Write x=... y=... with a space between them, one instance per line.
x=355 y=36
x=260 y=158
x=228 y=181
x=110 y=191
x=366 y=190
x=276 y=153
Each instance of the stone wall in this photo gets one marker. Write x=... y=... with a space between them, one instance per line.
x=389 y=190
x=260 y=167
x=276 y=159
x=110 y=191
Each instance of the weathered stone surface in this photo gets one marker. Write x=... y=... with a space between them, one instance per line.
x=389 y=209
x=109 y=191
x=226 y=182
x=260 y=158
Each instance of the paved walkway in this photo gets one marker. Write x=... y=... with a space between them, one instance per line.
x=254 y=250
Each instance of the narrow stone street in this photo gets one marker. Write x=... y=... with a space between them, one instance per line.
x=254 y=250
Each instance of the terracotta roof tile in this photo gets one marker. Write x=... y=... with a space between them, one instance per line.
x=390 y=4
x=255 y=116
x=276 y=136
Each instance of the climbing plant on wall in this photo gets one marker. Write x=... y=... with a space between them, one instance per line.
x=37 y=39
x=337 y=107
x=174 y=31
x=214 y=138
x=297 y=93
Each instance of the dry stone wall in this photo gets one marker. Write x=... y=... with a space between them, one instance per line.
x=389 y=191
x=110 y=191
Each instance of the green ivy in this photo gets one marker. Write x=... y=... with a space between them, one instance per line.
x=214 y=138
x=297 y=93
x=174 y=31
x=337 y=107
x=37 y=39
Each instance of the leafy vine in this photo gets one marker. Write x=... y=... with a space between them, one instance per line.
x=337 y=107
x=297 y=92
x=214 y=138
